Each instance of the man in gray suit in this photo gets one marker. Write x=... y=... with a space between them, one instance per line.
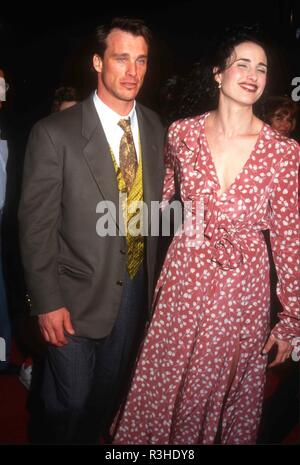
x=92 y=292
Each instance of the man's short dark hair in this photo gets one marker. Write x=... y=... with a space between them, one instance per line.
x=134 y=26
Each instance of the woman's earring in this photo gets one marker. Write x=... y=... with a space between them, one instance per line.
x=219 y=85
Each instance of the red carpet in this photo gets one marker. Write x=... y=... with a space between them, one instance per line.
x=14 y=416
x=13 y=413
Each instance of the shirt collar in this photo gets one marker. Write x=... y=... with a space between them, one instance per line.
x=110 y=116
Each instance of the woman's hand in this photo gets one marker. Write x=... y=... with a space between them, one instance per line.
x=284 y=349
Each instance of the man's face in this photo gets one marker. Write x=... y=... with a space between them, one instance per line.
x=122 y=70
x=2 y=88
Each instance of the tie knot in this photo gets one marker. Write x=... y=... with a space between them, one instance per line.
x=124 y=124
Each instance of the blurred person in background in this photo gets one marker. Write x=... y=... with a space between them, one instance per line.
x=64 y=97
x=5 y=325
x=280 y=112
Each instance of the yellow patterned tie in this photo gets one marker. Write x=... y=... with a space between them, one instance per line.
x=128 y=158
x=135 y=244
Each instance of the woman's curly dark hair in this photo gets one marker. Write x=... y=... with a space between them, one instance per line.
x=197 y=92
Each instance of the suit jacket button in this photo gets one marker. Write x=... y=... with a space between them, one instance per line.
x=123 y=252
x=120 y=283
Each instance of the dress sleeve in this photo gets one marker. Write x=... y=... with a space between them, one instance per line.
x=169 y=179
x=285 y=243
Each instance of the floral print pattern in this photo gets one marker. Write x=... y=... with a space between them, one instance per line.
x=200 y=373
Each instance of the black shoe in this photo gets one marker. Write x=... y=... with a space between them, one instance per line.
x=11 y=369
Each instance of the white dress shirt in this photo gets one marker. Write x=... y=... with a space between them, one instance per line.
x=113 y=132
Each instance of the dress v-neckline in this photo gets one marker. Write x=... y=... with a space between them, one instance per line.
x=240 y=173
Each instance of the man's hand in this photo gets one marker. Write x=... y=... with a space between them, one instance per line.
x=54 y=324
x=284 y=349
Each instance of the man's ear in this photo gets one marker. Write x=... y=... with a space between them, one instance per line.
x=97 y=63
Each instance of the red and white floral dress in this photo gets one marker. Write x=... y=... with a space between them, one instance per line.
x=201 y=372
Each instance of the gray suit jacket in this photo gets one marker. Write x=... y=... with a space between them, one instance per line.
x=68 y=170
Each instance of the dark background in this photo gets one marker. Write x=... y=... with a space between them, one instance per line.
x=47 y=45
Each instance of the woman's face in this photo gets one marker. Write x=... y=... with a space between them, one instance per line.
x=244 y=78
x=283 y=123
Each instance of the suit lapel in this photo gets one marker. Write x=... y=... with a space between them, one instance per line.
x=97 y=154
x=151 y=182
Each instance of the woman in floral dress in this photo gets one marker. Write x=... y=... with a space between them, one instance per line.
x=200 y=374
